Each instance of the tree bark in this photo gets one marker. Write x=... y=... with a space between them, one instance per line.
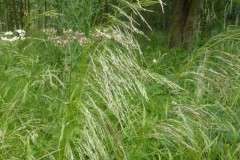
x=185 y=16
x=28 y=8
x=45 y=17
x=15 y=14
x=6 y=16
x=21 y=10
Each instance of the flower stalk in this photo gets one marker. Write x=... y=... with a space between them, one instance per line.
x=74 y=95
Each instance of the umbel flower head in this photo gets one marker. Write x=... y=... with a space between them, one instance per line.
x=11 y=37
x=80 y=37
x=21 y=32
x=66 y=38
x=8 y=33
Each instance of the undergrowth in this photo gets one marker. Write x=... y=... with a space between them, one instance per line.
x=104 y=95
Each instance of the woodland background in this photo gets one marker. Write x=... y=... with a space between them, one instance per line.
x=179 y=17
x=119 y=79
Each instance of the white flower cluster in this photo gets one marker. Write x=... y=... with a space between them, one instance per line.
x=8 y=33
x=69 y=36
x=11 y=37
x=21 y=33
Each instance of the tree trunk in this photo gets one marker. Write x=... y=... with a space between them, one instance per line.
x=28 y=8
x=185 y=16
x=15 y=14
x=45 y=17
x=21 y=13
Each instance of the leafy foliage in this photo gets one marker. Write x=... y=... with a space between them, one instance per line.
x=108 y=99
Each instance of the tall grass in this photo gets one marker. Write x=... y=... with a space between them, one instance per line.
x=215 y=68
x=94 y=101
x=203 y=122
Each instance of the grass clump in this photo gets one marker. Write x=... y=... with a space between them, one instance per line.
x=84 y=95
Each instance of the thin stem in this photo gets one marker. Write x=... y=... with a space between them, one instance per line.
x=76 y=94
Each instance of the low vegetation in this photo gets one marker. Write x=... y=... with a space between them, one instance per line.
x=110 y=93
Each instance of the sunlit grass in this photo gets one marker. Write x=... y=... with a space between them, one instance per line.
x=124 y=111
x=113 y=97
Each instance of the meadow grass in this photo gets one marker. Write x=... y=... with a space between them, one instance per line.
x=110 y=95
x=120 y=114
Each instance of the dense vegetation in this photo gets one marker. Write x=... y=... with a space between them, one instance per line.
x=89 y=79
